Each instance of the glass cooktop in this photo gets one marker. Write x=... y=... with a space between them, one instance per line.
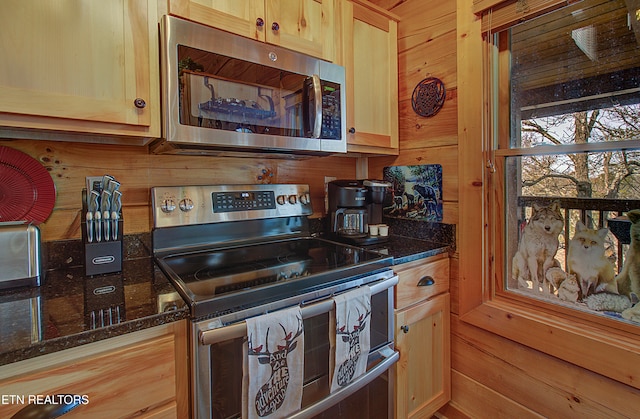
x=219 y=281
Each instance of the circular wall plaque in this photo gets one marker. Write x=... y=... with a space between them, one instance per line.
x=428 y=97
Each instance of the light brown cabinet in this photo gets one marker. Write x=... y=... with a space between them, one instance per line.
x=89 y=68
x=306 y=26
x=140 y=374
x=370 y=57
x=422 y=336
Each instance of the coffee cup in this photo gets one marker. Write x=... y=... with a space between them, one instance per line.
x=383 y=229
x=373 y=229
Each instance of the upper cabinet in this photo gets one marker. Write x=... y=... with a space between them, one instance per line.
x=370 y=56
x=305 y=26
x=75 y=66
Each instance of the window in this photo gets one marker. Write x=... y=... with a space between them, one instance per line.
x=566 y=149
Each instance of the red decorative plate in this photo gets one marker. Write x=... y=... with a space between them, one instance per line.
x=27 y=192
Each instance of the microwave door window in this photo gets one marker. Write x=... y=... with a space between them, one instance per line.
x=225 y=93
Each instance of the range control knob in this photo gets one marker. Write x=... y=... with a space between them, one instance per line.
x=186 y=205
x=305 y=199
x=293 y=199
x=168 y=205
x=281 y=199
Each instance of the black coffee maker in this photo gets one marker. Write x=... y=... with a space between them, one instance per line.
x=353 y=206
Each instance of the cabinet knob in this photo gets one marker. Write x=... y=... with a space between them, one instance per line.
x=275 y=27
x=405 y=329
x=426 y=281
x=139 y=103
x=259 y=22
x=352 y=130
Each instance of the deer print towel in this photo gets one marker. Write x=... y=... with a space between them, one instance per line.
x=274 y=365
x=353 y=315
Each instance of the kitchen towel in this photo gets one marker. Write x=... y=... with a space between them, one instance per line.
x=274 y=364
x=352 y=336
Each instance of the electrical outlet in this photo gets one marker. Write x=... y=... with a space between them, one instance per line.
x=328 y=179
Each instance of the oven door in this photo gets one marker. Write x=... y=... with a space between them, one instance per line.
x=218 y=364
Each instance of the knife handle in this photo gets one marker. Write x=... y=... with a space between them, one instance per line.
x=114 y=228
x=106 y=219
x=98 y=224
x=89 y=227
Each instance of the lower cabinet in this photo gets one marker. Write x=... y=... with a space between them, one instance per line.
x=140 y=374
x=422 y=336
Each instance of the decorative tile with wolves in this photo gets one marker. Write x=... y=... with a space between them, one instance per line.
x=416 y=192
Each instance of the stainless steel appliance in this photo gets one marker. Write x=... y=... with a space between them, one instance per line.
x=347 y=207
x=21 y=319
x=353 y=205
x=224 y=94
x=238 y=251
x=20 y=255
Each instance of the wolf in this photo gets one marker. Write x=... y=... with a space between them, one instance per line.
x=628 y=279
x=587 y=261
x=538 y=246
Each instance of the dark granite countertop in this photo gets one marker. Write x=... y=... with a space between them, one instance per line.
x=408 y=239
x=407 y=249
x=70 y=309
x=411 y=240
x=67 y=311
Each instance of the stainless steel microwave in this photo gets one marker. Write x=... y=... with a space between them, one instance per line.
x=224 y=94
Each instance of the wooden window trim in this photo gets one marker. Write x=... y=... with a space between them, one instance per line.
x=611 y=353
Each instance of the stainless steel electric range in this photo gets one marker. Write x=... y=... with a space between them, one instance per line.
x=238 y=251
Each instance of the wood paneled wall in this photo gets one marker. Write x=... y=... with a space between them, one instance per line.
x=138 y=170
x=491 y=376
x=425 y=36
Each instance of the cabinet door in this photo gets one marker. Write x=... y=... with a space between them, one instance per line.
x=423 y=372
x=301 y=25
x=239 y=17
x=80 y=66
x=304 y=25
x=371 y=61
x=141 y=373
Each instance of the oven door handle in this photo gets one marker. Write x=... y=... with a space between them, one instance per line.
x=238 y=330
x=388 y=356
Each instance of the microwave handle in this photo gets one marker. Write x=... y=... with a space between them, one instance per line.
x=237 y=330
x=317 y=99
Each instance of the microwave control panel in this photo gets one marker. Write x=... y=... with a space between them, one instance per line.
x=331 y=112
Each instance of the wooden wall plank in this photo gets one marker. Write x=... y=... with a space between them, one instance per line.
x=138 y=171
x=433 y=58
x=440 y=130
x=549 y=386
x=476 y=399
x=415 y=26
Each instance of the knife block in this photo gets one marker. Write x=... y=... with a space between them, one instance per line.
x=101 y=257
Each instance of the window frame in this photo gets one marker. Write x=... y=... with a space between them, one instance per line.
x=481 y=298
